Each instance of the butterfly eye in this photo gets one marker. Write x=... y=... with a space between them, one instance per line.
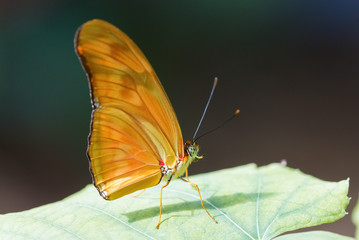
x=192 y=150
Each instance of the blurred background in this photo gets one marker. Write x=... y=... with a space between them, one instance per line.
x=290 y=66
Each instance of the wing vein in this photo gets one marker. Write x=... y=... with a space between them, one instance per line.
x=115 y=83
x=133 y=169
x=134 y=182
x=159 y=127
x=146 y=139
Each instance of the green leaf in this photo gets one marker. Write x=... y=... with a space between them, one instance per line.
x=355 y=218
x=314 y=235
x=248 y=203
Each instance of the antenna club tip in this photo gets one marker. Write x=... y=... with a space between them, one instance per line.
x=237 y=112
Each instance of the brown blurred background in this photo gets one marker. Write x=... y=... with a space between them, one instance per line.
x=290 y=66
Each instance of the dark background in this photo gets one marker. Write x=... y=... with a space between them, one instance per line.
x=290 y=66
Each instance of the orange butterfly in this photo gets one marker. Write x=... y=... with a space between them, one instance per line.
x=135 y=140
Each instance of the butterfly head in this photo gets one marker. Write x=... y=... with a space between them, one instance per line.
x=191 y=150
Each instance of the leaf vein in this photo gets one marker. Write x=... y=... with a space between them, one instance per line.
x=224 y=214
x=53 y=225
x=284 y=203
x=114 y=217
x=257 y=207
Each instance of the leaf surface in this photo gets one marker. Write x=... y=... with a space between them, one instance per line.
x=249 y=202
x=355 y=218
x=314 y=235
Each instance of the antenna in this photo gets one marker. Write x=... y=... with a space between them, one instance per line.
x=220 y=125
x=205 y=109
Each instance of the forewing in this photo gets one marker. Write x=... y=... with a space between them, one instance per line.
x=134 y=126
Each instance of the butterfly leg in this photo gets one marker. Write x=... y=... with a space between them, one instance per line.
x=195 y=185
x=159 y=220
x=142 y=191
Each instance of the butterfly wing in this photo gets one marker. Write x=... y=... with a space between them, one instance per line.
x=134 y=128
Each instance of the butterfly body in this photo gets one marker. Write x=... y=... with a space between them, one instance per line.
x=191 y=155
x=135 y=141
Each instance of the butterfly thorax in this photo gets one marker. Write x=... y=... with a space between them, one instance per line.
x=190 y=155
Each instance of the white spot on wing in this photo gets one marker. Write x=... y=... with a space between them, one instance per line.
x=96 y=104
x=104 y=194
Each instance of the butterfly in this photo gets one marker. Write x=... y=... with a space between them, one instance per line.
x=135 y=140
